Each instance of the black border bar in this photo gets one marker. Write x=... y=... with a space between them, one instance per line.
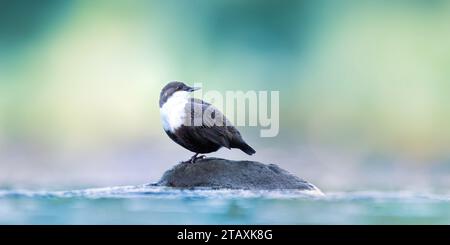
x=261 y=233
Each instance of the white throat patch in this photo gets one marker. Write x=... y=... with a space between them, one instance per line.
x=172 y=112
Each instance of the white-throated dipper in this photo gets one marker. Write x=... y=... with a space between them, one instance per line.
x=195 y=124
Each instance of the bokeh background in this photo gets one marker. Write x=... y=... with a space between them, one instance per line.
x=364 y=87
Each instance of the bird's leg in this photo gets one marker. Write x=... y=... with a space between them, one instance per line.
x=194 y=158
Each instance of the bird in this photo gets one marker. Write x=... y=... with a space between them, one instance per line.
x=183 y=121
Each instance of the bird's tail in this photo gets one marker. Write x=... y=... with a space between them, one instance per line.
x=246 y=148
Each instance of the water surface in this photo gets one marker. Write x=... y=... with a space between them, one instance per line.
x=160 y=205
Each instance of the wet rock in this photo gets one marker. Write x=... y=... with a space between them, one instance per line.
x=222 y=173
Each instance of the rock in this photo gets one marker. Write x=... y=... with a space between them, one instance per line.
x=221 y=173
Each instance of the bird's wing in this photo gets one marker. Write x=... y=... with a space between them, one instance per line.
x=210 y=122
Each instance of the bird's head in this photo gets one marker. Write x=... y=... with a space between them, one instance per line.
x=175 y=89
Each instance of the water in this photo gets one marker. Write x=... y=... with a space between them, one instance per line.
x=160 y=205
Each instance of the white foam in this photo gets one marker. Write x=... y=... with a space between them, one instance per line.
x=148 y=191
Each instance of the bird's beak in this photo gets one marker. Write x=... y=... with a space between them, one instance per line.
x=192 y=89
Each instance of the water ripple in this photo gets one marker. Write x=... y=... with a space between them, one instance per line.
x=149 y=191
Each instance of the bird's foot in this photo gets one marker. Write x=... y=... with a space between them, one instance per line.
x=199 y=158
x=194 y=158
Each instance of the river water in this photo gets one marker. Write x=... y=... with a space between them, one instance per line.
x=161 y=205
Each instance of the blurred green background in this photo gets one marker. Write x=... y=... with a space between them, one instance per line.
x=364 y=87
